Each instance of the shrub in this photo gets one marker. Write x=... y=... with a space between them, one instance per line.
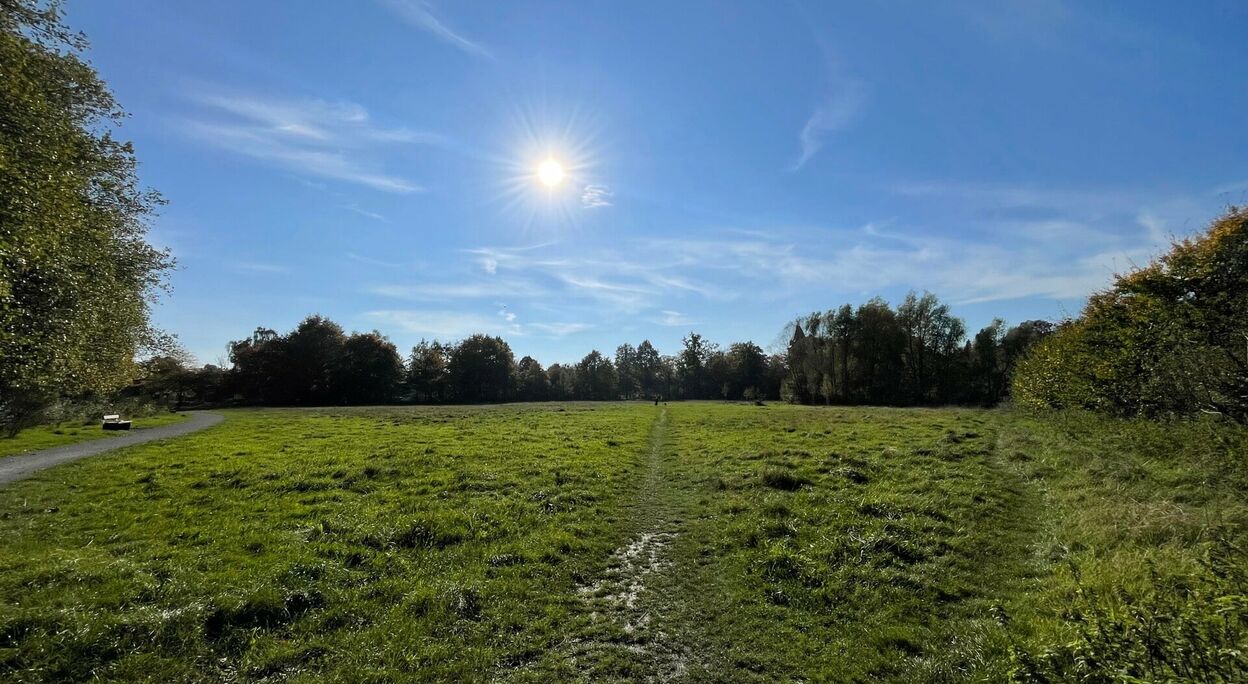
x=1167 y=339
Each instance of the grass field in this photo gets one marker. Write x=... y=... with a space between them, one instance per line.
x=48 y=436
x=625 y=542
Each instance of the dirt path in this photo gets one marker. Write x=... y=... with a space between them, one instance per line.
x=24 y=465
x=625 y=603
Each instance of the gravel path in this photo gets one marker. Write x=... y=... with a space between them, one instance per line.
x=24 y=465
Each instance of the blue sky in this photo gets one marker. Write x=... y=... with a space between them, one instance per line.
x=730 y=164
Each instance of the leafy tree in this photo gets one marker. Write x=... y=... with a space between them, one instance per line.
x=718 y=376
x=669 y=377
x=628 y=371
x=880 y=352
x=531 y=381
x=799 y=359
x=777 y=371
x=561 y=380
x=932 y=335
x=844 y=327
x=481 y=369
x=167 y=379
x=650 y=370
x=313 y=353
x=748 y=369
x=826 y=389
x=428 y=371
x=257 y=367
x=988 y=363
x=77 y=275
x=1019 y=339
x=208 y=385
x=596 y=377
x=370 y=370
x=787 y=394
x=691 y=367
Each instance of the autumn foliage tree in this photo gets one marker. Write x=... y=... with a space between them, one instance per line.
x=77 y=275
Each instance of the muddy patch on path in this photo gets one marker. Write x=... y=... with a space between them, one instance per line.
x=615 y=596
x=622 y=607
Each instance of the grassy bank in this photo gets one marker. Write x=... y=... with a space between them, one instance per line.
x=622 y=542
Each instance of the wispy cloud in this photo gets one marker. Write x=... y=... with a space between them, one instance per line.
x=438 y=323
x=491 y=289
x=608 y=279
x=675 y=319
x=457 y=324
x=596 y=197
x=838 y=109
x=355 y=209
x=370 y=261
x=332 y=140
x=258 y=267
x=420 y=13
x=560 y=329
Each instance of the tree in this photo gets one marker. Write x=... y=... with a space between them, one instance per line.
x=257 y=367
x=628 y=371
x=313 y=352
x=777 y=371
x=844 y=329
x=595 y=377
x=167 y=379
x=879 y=352
x=481 y=369
x=369 y=370
x=77 y=275
x=787 y=394
x=650 y=370
x=748 y=369
x=1019 y=339
x=987 y=363
x=531 y=381
x=561 y=380
x=428 y=371
x=691 y=368
x=795 y=389
x=208 y=384
x=932 y=336
x=826 y=389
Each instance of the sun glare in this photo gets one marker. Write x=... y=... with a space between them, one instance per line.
x=550 y=173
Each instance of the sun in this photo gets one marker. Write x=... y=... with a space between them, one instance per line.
x=550 y=173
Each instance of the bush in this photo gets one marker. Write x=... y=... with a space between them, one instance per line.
x=1167 y=339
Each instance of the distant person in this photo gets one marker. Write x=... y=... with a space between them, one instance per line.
x=656 y=399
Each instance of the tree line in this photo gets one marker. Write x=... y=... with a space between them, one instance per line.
x=317 y=363
x=913 y=355
x=916 y=354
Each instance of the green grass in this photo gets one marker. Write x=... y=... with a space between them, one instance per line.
x=617 y=542
x=48 y=436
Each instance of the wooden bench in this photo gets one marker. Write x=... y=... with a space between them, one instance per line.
x=114 y=422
